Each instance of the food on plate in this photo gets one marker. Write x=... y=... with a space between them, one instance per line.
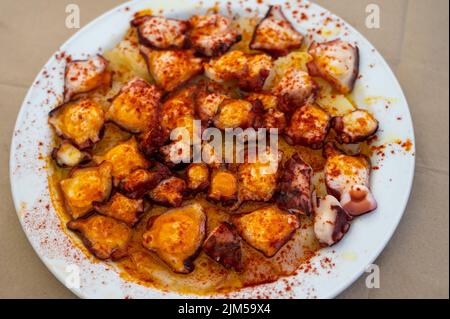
x=223 y=245
x=354 y=127
x=266 y=229
x=80 y=121
x=141 y=181
x=67 y=155
x=82 y=76
x=347 y=178
x=248 y=70
x=84 y=186
x=331 y=222
x=295 y=188
x=121 y=208
x=136 y=106
x=133 y=121
x=169 y=192
x=309 y=126
x=105 y=237
x=275 y=34
x=161 y=33
x=212 y=35
x=171 y=68
x=336 y=61
x=177 y=236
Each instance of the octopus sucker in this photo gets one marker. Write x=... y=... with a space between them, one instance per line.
x=337 y=62
x=82 y=76
x=347 y=178
x=331 y=221
x=358 y=200
x=275 y=34
x=161 y=33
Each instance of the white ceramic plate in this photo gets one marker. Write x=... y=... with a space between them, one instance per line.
x=334 y=269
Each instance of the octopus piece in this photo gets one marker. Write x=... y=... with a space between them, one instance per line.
x=161 y=33
x=249 y=70
x=176 y=154
x=295 y=189
x=295 y=89
x=141 y=181
x=207 y=101
x=169 y=192
x=271 y=119
x=152 y=139
x=224 y=186
x=355 y=127
x=234 y=113
x=337 y=62
x=82 y=76
x=358 y=200
x=171 y=68
x=267 y=100
x=275 y=34
x=80 y=121
x=67 y=155
x=223 y=245
x=125 y=158
x=266 y=229
x=212 y=35
x=257 y=70
x=347 y=178
x=197 y=175
x=121 y=208
x=258 y=179
x=177 y=111
x=136 y=107
x=309 y=126
x=177 y=236
x=211 y=156
x=105 y=237
x=331 y=222
x=84 y=186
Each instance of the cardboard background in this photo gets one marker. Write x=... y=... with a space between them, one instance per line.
x=414 y=40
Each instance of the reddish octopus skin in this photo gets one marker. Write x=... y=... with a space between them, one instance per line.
x=141 y=181
x=101 y=76
x=295 y=190
x=178 y=26
x=220 y=40
x=223 y=245
x=317 y=68
x=331 y=222
x=365 y=122
x=276 y=15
